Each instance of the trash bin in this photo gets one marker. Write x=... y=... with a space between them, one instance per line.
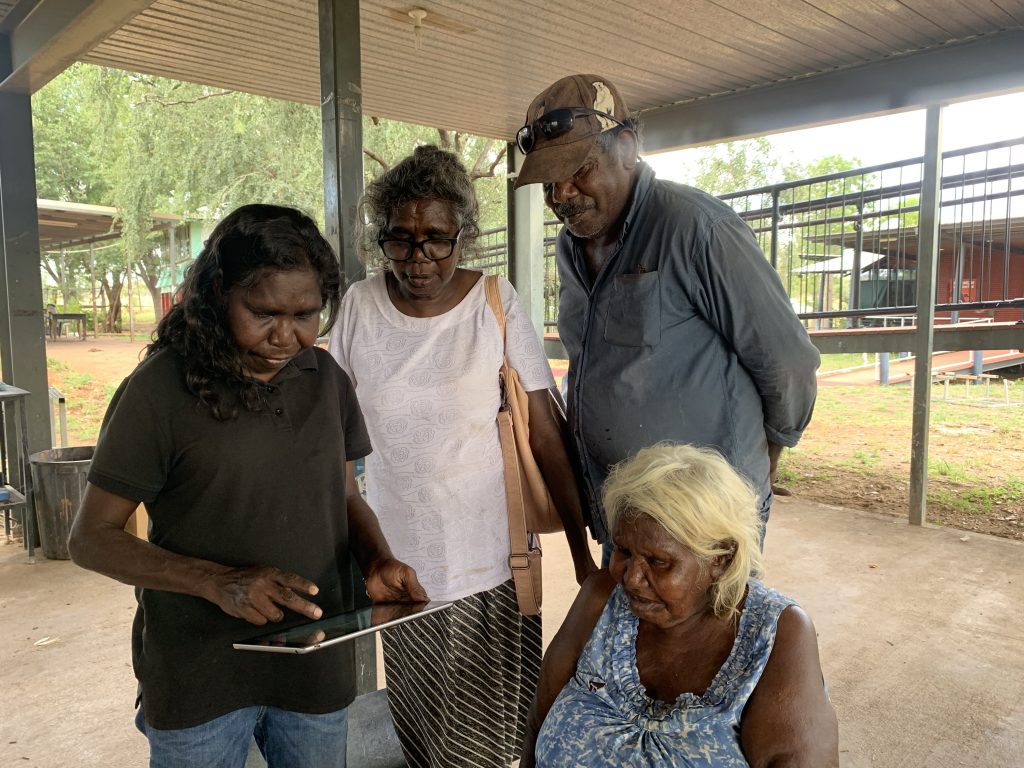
x=58 y=484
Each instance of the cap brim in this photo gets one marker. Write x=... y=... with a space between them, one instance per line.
x=553 y=163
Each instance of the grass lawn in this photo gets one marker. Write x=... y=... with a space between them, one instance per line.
x=856 y=452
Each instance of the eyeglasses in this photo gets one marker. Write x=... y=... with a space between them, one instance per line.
x=553 y=124
x=434 y=248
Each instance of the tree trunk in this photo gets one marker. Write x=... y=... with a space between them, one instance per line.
x=112 y=290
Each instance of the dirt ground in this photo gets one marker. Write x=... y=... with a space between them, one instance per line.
x=108 y=359
x=857 y=453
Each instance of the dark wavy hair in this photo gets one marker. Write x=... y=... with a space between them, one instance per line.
x=429 y=173
x=247 y=244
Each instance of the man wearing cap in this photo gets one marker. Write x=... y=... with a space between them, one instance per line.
x=676 y=326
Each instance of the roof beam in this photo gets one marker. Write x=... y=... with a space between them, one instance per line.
x=986 y=66
x=51 y=35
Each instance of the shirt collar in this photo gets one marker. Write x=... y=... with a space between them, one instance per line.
x=641 y=188
x=304 y=361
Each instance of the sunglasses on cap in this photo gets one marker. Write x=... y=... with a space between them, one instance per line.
x=553 y=124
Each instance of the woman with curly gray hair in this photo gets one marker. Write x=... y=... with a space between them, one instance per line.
x=423 y=348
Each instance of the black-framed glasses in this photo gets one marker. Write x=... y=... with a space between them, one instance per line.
x=555 y=123
x=434 y=248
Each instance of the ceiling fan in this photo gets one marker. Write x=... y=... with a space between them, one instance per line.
x=421 y=18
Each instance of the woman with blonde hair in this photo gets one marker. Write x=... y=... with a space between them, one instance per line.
x=679 y=655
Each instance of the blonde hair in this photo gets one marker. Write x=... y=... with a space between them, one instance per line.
x=701 y=501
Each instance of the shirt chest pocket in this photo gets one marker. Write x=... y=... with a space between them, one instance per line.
x=633 y=317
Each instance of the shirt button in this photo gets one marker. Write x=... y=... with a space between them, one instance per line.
x=279 y=411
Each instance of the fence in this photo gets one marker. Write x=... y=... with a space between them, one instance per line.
x=845 y=244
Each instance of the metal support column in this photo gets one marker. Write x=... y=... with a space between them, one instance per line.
x=774 y=246
x=958 y=282
x=977 y=362
x=22 y=345
x=927 y=262
x=526 y=241
x=858 y=253
x=341 y=114
x=172 y=274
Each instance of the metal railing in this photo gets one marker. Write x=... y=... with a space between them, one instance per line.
x=821 y=232
x=845 y=244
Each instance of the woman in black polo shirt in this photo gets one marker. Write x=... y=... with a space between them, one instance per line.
x=238 y=435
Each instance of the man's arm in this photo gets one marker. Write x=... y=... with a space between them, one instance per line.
x=745 y=300
x=99 y=542
x=387 y=579
x=548 y=448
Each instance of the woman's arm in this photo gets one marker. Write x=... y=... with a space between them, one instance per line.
x=100 y=543
x=549 y=450
x=563 y=654
x=387 y=579
x=789 y=721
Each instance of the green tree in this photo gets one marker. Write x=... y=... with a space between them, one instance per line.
x=736 y=165
x=144 y=144
x=386 y=142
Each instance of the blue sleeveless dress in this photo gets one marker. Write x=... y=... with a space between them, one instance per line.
x=603 y=716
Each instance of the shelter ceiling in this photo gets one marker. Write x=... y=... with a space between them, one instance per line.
x=477 y=63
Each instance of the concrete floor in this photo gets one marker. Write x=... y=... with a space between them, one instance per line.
x=921 y=634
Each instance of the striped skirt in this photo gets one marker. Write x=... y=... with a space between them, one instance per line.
x=461 y=681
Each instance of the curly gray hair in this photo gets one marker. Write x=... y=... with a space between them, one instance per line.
x=429 y=173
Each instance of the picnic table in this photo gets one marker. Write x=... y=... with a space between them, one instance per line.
x=58 y=321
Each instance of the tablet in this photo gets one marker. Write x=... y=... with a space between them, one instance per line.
x=331 y=630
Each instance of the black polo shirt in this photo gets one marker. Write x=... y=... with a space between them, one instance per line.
x=267 y=488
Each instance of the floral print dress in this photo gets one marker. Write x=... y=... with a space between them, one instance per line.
x=604 y=717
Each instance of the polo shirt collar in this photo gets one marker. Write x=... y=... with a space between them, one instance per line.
x=304 y=361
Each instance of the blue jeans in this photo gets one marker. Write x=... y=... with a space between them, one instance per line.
x=286 y=740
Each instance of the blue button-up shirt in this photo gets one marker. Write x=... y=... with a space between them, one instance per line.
x=686 y=334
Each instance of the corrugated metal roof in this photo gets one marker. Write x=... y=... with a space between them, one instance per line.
x=475 y=64
x=478 y=63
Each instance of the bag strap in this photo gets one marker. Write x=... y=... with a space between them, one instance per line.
x=519 y=544
x=494 y=301
x=493 y=294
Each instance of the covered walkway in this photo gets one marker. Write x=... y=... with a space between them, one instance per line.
x=901 y=371
x=920 y=632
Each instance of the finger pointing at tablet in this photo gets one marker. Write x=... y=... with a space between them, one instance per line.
x=258 y=594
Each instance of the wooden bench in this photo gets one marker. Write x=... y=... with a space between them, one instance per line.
x=971 y=378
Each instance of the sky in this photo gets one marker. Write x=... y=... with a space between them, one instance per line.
x=880 y=139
